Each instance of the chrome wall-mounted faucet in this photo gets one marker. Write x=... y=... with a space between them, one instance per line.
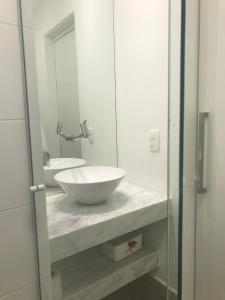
x=71 y=137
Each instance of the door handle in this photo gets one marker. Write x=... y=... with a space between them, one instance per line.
x=203 y=116
x=37 y=188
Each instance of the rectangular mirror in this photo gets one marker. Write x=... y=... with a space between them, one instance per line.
x=74 y=47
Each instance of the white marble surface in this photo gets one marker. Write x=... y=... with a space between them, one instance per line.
x=97 y=276
x=74 y=227
x=50 y=191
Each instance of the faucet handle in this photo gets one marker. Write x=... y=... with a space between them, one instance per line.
x=84 y=129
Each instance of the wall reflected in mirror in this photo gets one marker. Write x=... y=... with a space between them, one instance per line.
x=74 y=46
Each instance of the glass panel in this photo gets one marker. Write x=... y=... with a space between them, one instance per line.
x=97 y=81
x=174 y=145
x=210 y=242
x=190 y=57
x=204 y=168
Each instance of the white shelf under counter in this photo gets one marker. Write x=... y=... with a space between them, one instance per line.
x=93 y=277
x=74 y=227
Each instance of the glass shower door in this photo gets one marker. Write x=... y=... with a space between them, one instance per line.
x=203 y=238
x=210 y=203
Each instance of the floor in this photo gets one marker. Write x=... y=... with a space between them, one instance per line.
x=144 y=288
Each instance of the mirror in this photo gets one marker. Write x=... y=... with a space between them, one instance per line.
x=74 y=46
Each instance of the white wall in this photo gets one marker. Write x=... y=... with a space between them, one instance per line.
x=95 y=65
x=95 y=57
x=18 y=272
x=141 y=31
x=141 y=52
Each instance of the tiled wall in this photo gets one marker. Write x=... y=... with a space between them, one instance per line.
x=18 y=262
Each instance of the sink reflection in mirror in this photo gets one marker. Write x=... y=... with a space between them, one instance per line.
x=56 y=165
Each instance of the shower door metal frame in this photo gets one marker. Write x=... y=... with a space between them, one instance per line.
x=181 y=146
x=33 y=187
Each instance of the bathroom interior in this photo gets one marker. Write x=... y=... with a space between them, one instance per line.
x=111 y=112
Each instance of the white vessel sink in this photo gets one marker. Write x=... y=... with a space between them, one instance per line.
x=90 y=185
x=57 y=165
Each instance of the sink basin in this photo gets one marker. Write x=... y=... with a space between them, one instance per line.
x=90 y=185
x=57 y=165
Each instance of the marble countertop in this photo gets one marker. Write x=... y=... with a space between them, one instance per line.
x=74 y=227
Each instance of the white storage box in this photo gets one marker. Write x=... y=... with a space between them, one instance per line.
x=121 y=247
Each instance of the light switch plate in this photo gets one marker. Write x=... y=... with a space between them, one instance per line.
x=154 y=139
x=92 y=135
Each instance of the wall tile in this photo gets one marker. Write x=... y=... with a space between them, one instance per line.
x=9 y=15
x=8 y=11
x=11 y=90
x=17 y=252
x=14 y=173
x=18 y=259
x=28 y=293
x=28 y=7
